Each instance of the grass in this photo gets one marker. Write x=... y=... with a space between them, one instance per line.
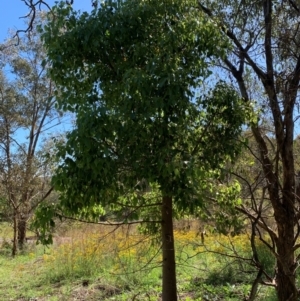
x=90 y=263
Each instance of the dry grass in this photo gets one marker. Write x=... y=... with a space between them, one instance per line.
x=90 y=262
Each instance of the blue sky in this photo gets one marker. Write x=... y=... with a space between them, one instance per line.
x=12 y=10
x=11 y=13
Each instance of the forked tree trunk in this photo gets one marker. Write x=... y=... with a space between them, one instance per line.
x=169 y=288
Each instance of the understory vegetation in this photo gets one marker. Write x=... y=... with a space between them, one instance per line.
x=118 y=263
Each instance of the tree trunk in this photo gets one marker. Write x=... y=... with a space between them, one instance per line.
x=169 y=289
x=286 y=266
x=15 y=228
x=22 y=227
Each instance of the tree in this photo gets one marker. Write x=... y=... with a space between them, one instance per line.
x=265 y=42
x=129 y=71
x=26 y=114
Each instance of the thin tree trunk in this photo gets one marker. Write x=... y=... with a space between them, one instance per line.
x=15 y=228
x=169 y=288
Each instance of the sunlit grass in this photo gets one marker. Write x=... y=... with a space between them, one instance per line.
x=120 y=263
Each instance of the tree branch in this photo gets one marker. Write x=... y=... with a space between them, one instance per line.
x=243 y=51
x=107 y=223
x=260 y=223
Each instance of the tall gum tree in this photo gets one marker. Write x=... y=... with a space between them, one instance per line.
x=27 y=113
x=129 y=71
x=265 y=38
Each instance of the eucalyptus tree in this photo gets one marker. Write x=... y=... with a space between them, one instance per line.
x=265 y=51
x=26 y=113
x=129 y=71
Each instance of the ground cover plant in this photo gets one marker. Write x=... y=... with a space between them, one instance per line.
x=105 y=263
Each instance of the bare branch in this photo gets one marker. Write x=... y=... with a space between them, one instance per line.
x=31 y=16
x=294 y=5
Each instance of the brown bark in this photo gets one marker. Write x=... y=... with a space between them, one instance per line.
x=285 y=274
x=285 y=279
x=15 y=228
x=169 y=288
x=22 y=227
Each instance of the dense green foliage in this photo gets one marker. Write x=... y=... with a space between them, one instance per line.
x=129 y=72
